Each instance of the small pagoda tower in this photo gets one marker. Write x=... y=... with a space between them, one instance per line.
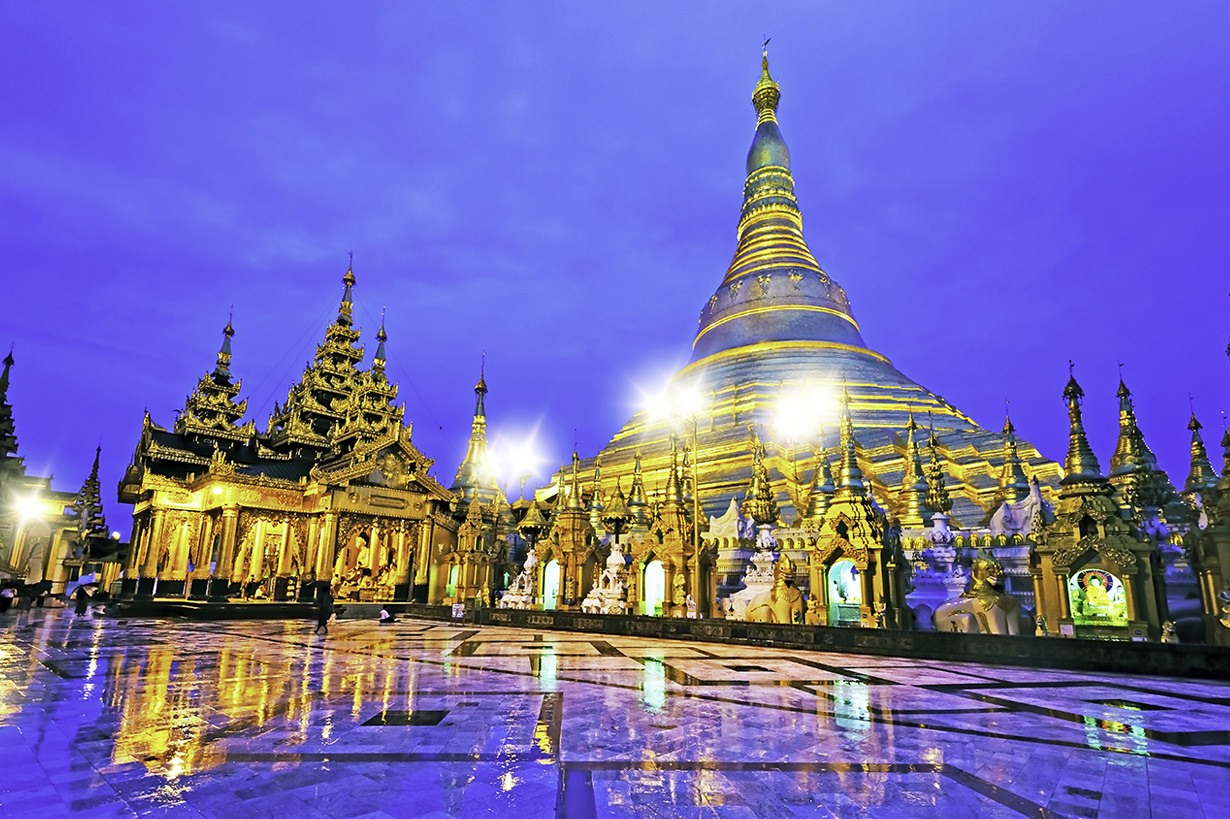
x=913 y=509
x=1143 y=488
x=671 y=540
x=1093 y=575
x=563 y=554
x=857 y=578
x=475 y=477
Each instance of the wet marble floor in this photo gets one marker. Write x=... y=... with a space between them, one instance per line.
x=252 y=718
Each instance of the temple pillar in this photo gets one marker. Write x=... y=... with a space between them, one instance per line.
x=219 y=584
x=149 y=571
x=328 y=547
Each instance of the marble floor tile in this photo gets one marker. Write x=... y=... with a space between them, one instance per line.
x=235 y=719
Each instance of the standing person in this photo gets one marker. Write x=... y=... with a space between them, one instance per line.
x=324 y=608
x=83 y=601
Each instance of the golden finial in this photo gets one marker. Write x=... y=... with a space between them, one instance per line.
x=767 y=92
x=1081 y=465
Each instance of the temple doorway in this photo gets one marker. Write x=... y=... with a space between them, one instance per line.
x=845 y=595
x=655 y=589
x=550 y=586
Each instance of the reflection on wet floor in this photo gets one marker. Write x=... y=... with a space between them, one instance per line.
x=116 y=718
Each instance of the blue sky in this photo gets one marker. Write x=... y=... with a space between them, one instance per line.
x=999 y=188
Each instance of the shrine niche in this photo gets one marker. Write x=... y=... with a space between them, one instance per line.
x=1094 y=575
x=1097 y=598
x=858 y=574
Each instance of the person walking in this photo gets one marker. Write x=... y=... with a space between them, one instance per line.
x=6 y=598
x=324 y=608
x=83 y=601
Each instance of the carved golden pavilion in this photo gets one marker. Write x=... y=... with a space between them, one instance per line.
x=332 y=491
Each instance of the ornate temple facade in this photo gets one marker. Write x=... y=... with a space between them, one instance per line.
x=332 y=490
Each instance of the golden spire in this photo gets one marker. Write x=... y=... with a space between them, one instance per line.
x=222 y=372
x=760 y=504
x=849 y=475
x=674 y=491
x=821 y=486
x=1081 y=465
x=636 y=495
x=474 y=476
x=346 y=308
x=938 y=499
x=574 y=498
x=595 y=498
x=913 y=481
x=1013 y=484
x=767 y=92
x=1201 y=477
x=380 y=360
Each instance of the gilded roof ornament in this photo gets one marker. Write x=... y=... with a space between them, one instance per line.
x=938 y=499
x=1081 y=465
x=850 y=475
x=767 y=92
x=1013 y=484
x=1201 y=477
x=761 y=502
x=913 y=481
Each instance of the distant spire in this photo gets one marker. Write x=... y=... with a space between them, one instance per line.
x=595 y=499
x=913 y=481
x=1201 y=477
x=674 y=488
x=475 y=475
x=222 y=372
x=1013 y=484
x=637 y=504
x=347 y=306
x=767 y=92
x=4 y=376
x=380 y=359
x=760 y=503
x=480 y=389
x=849 y=475
x=574 y=499
x=1081 y=465
x=938 y=499
x=821 y=487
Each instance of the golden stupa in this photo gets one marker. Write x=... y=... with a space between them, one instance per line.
x=777 y=344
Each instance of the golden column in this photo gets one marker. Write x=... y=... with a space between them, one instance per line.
x=220 y=583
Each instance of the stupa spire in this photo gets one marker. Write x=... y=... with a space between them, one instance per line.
x=574 y=496
x=380 y=359
x=821 y=486
x=346 y=308
x=773 y=269
x=850 y=475
x=637 y=504
x=1081 y=465
x=913 y=481
x=674 y=489
x=1013 y=484
x=1201 y=477
x=938 y=499
x=474 y=476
